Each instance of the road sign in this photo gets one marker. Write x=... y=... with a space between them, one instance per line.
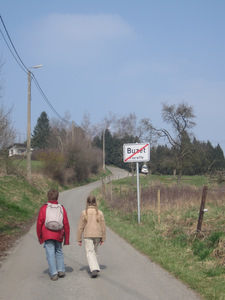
x=136 y=152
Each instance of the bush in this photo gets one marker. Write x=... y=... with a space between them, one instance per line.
x=53 y=164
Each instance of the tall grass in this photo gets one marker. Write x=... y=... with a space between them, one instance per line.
x=19 y=202
x=171 y=239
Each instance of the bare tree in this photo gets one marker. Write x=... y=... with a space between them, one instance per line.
x=118 y=126
x=71 y=156
x=180 y=117
x=86 y=123
x=126 y=125
x=7 y=132
x=106 y=123
x=59 y=131
x=7 y=138
x=146 y=132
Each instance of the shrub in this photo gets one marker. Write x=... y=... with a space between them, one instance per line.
x=53 y=164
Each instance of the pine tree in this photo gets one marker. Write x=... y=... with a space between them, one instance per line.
x=41 y=134
x=219 y=158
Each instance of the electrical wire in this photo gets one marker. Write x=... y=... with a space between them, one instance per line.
x=12 y=44
x=46 y=99
x=48 y=102
x=12 y=52
x=26 y=70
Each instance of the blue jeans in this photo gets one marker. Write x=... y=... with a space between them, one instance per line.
x=54 y=256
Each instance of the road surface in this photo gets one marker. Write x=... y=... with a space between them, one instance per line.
x=125 y=273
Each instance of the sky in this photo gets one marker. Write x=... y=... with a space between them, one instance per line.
x=118 y=56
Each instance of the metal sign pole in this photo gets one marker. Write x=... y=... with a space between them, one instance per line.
x=138 y=192
x=136 y=152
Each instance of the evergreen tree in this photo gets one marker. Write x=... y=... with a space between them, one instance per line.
x=114 y=147
x=41 y=134
x=219 y=158
x=198 y=160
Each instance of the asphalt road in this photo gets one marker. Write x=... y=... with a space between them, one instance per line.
x=125 y=273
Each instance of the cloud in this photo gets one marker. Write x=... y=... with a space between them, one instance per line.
x=62 y=36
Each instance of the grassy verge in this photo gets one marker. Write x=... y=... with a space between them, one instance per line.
x=19 y=205
x=21 y=201
x=171 y=241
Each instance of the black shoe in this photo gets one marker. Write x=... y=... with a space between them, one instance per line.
x=94 y=274
x=61 y=274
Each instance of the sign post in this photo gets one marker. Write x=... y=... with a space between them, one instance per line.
x=138 y=193
x=136 y=153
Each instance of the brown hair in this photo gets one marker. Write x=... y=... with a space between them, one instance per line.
x=91 y=201
x=53 y=194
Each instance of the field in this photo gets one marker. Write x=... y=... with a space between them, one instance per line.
x=167 y=231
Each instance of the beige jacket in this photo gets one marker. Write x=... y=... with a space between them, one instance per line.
x=91 y=228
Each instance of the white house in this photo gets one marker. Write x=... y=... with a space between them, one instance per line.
x=17 y=149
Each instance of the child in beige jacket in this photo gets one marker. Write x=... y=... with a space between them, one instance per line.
x=92 y=227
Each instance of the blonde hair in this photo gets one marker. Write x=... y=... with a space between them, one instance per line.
x=91 y=201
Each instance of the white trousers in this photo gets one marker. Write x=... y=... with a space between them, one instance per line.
x=91 y=246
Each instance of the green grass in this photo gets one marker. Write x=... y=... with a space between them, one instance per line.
x=146 y=180
x=19 y=202
x=170 y=243
x=173 y=254
x=198 y=261
x=168 y=180
x=36 y=166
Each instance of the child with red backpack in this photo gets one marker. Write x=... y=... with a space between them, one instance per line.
x=52 y=227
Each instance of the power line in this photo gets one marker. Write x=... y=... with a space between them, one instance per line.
x=48 y=102
x=25 y=69
x=46 y=99
x=12 y=44
x=12 y=52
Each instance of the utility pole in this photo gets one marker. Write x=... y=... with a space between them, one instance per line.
x=103 y=149
x=29 y=125
x=73 y=126
x=29 y=129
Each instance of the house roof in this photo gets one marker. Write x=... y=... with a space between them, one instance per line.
x=17 y=145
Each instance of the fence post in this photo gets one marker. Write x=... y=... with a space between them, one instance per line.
x=111 y=192
x=140 y=197
x=159 y=206
x=202 y=207
x=103 y=187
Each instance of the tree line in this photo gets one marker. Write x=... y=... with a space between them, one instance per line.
x=202 y=157
x=181 y=154
x=71 y=153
